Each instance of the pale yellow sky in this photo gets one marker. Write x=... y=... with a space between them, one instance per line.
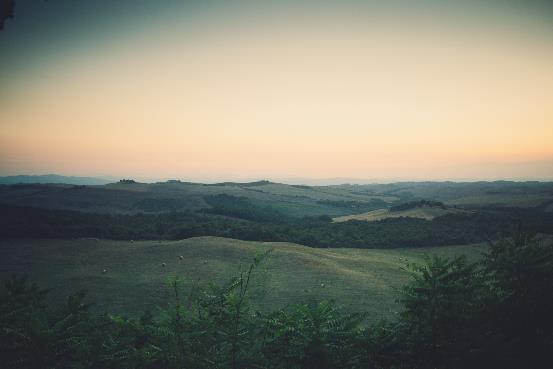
x=310 y=99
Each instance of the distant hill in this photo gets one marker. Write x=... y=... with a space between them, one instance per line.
x=464 y=194
x=241 y=184
x=129 y=196
x=53 y=178
x=423 y=209
x=96 y=195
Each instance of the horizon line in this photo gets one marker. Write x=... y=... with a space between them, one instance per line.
x=289 y=180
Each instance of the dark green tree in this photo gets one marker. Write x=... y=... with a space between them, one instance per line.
x=520 y=270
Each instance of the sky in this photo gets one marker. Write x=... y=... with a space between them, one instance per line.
x=234 y=90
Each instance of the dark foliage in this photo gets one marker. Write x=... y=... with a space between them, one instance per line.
x=357 y=206
x=7 y=9
x=242 y=208
x=154 y=205
x=303 y=187
x=418 y=204
x=492 y=314
x=449 y=229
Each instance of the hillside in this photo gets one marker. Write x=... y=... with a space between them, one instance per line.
x=135 y=278
x=293 y=201
x=383 y=216
x=52 y=178
x=467 y=194
x=420 y=209
x=131 y=198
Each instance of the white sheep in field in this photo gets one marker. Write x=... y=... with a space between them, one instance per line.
x=163 y=265
x=181 y=257
x=104 y=271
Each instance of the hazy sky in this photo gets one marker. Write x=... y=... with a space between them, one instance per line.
x=310 y=89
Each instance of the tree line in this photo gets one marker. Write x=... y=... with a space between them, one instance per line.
x=262 y=224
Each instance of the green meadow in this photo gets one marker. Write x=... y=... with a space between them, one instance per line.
x=130 y=277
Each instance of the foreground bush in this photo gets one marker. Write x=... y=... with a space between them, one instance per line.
x=492 y=314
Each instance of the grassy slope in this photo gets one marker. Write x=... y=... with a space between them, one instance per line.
x=359 y=280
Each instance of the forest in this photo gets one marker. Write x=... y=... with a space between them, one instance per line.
x=234 y=217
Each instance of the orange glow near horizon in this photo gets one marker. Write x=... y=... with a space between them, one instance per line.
x=353 y=100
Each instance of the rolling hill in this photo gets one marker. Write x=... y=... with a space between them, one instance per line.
x=467 y=194
x=129 y=198
x=295 y=201
x=136 y=279
x=53 y=178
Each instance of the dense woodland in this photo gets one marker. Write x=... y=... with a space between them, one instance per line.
x=236 y=217
x=415 y=204
x=492 y=314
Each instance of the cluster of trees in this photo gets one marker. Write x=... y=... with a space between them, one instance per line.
x=242 y=208
x=359 y=206
x=492 y=314
x=264 y=224
x=152 y=205
x=417 y=204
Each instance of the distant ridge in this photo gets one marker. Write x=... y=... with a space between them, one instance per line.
x=53 y=178
x=242 y=184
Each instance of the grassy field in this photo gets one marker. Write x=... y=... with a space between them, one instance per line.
x=136 y=280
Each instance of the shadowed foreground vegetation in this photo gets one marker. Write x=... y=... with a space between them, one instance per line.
x=493 y=313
